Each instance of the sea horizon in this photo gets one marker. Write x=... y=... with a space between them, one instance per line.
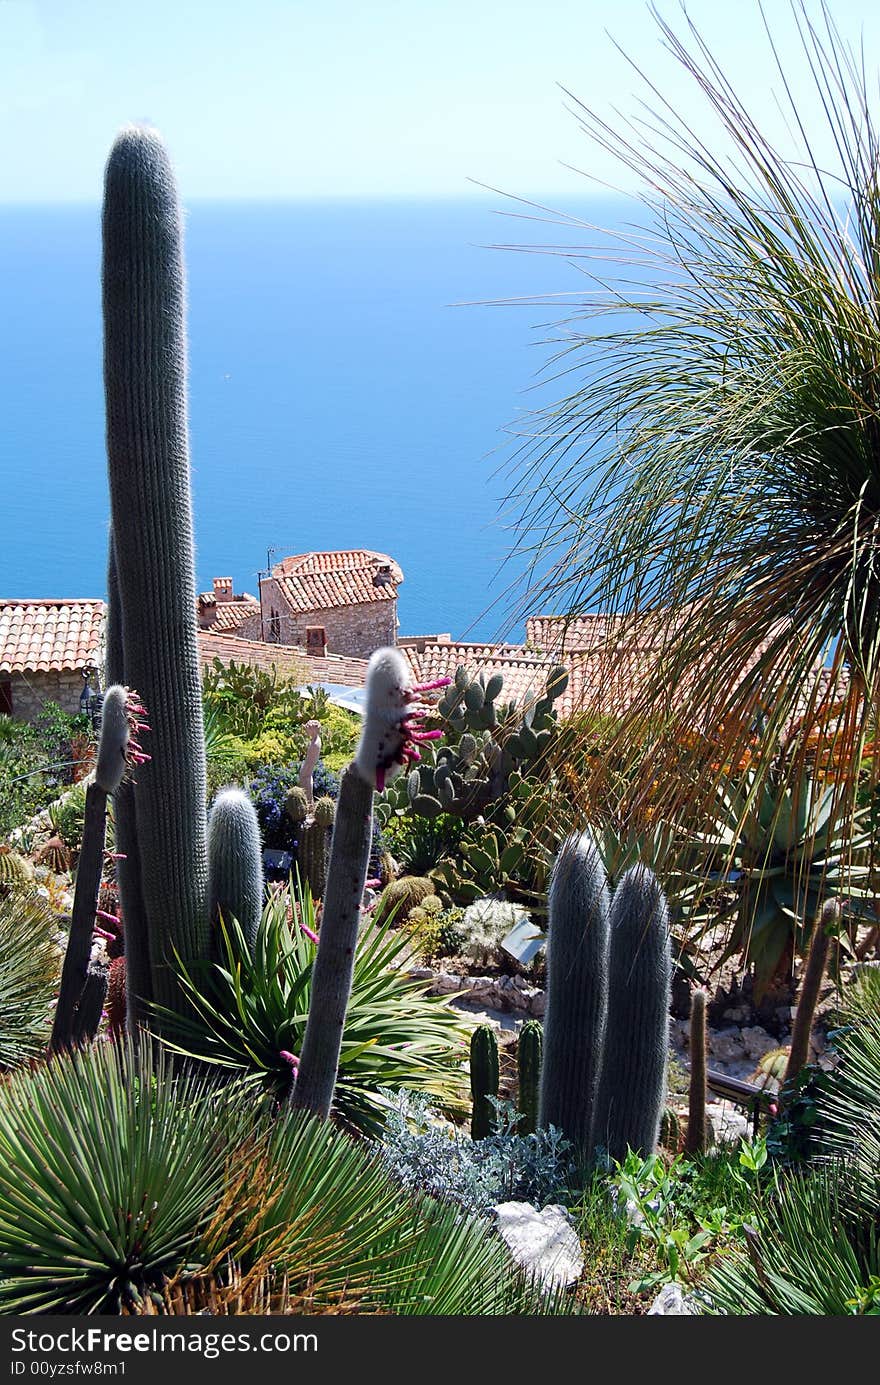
x=351 y=384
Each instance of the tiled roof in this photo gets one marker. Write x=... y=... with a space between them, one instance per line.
x=231 y=614
x=524 y=671
x=557 y=633
x=323 y=581
x=50 y=636
x=288 y=659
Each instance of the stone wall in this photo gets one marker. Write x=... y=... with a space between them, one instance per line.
x=355 y=630
x=31 y=691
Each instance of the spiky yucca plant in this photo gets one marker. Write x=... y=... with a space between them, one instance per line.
x=29 y=967
x=123 y=1178
x=710 y=479
x=248 y=1015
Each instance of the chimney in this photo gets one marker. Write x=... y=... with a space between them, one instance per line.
x=223 y=589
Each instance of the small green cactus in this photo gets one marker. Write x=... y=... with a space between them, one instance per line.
x=296 y=804
x=670 y=1131
x=528 y=1061
x=485 y=1076
x=400 y=896
x=235 y=870
x=325 y=811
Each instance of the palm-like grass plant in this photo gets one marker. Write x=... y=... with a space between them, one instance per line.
x=712 y=479
x=248 y=1013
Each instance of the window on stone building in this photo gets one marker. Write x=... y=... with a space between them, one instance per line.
x=6 y=697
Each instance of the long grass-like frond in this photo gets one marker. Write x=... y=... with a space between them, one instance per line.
x=710 y=475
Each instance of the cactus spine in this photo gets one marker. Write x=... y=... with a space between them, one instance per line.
x=235 y=873
x=695 y=1140
x=632 y=1087
x=577 y=990
x=528 y=1062
x=148 y=465
x=484 y=1080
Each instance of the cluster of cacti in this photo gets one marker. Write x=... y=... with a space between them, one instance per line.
x=313 y=840
x=495 y=746
x=400 y=897
x=175 y=869
x=485 y=1078
x=609 y=971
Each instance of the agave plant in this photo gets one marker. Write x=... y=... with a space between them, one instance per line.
x=710 y=478
x=248 y=1015
x=30 y=964
x=784 y=852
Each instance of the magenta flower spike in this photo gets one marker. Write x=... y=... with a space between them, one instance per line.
x=392 y=729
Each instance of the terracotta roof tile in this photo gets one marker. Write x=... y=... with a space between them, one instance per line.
x=232 y=614
x=50 y=636
x=323 y=581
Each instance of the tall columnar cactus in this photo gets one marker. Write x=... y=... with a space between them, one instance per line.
x=485 y=1076
x=138 y=982
x=389 y=740
x=695 y=1139
x=528 y=1063
x=148 y=463
x=118 y=748
x=235 y=871
x=632 y=1086
x=577 y=990
x=826 y=924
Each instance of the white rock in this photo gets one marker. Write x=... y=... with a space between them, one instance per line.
x=729 y=1125
x=672 y=1301
x=544 y=1242
x=726 y=1044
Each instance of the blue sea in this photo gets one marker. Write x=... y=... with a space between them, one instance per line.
x=350 y=386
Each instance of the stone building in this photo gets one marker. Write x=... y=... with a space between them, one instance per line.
x=331 y=603
x=45 y=649
x=226 y=613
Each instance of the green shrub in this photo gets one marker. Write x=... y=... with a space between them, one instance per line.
x=30 y=965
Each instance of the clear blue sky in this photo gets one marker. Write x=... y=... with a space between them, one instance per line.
x=318 y=98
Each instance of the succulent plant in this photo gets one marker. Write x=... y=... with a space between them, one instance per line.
x=695 y=1140
x=154 y=580
x=529 y=1052
x=485 y=924
x=484 y=1080
x=576 y=991
x=235 y=870
x=401 y=896
x=632 y=1086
